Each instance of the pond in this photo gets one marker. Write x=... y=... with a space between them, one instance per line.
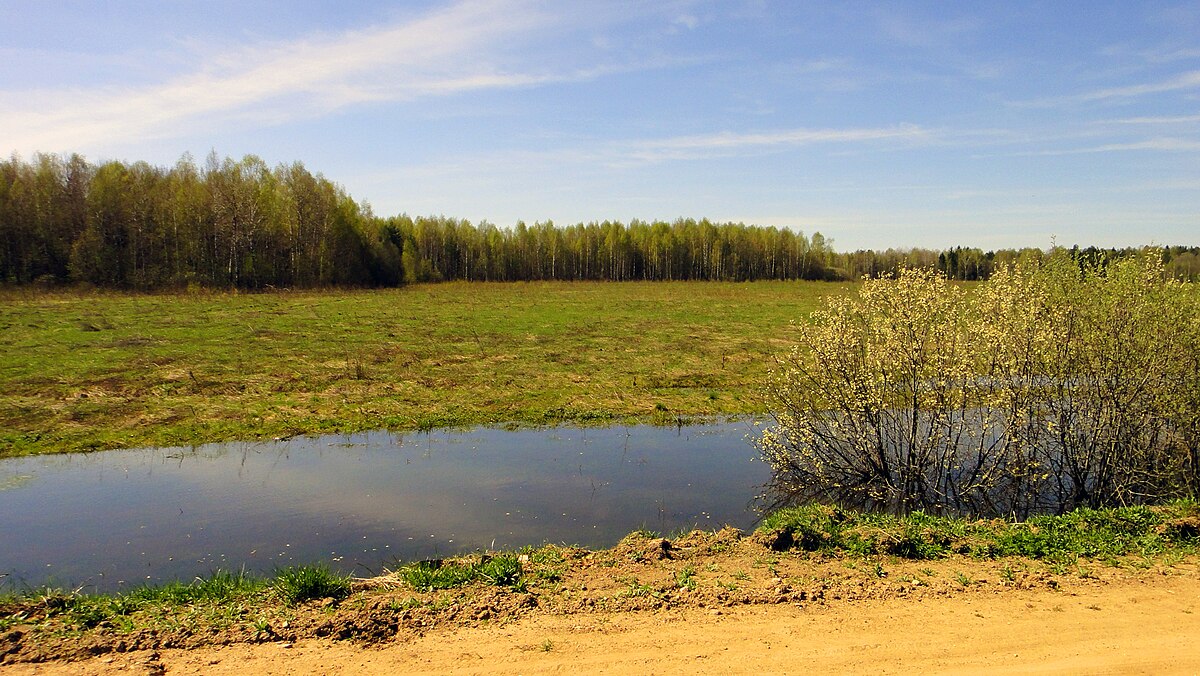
x=112 y=520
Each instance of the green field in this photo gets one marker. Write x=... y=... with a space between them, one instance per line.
x=84 y=371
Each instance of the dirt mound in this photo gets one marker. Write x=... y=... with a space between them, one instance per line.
x=640 y=546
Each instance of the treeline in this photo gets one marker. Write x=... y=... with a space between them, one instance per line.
x=229 y=224
x=242 y=224
x=973 y=264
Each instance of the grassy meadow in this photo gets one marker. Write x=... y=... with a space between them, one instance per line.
x=89 y=371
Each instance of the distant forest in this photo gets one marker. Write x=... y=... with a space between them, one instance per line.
x=241 y=224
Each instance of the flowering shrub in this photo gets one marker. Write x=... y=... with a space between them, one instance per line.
x=1051 y=386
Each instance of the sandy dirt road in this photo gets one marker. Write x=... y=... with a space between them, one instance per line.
x=1145 y=624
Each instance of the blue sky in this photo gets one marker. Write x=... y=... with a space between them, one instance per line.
x=997 y=124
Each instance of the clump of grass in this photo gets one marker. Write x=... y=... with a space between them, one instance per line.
x=219 y=587
x=432 y=575
x=308 y=583
x=1090 y=533
x=221 y=595
x=547 y=563
x=501 y=570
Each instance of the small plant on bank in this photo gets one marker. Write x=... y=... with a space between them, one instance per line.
x=686 y=578
x=635 y=588
x=309 y=583
x=546 y=563
x=500 y=571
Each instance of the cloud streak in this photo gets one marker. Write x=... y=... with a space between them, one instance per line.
x=1172 y=145
x=734 y=143
x=1181 y=82
x=633 y=154
x=459 y=49
x=1182 y=119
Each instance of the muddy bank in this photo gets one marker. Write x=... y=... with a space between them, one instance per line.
x=718 y=577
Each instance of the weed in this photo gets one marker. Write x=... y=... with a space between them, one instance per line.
x=1061 y=564
x=963 y=579
x=360 y=369
x=500 y=571
x=634 y=588
x=409 y=603
x=1172 y=557
x=550 y=574
x=544 y=555
x=686 y=578
x=307 y=583
x=262 y=628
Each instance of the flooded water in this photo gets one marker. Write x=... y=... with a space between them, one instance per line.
x=111 y=520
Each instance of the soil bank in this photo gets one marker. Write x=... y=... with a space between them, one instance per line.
x=1132 y=626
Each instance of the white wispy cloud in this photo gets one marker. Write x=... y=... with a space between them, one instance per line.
x=473 y=45
x=1180 y=119
x=1165 y=144
x=1170 y=55
x=561 y=169
x=729 y=143
x=1181 y=82
x=911 y=30
x=1188 y=80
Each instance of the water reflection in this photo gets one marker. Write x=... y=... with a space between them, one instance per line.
x=115 y=519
